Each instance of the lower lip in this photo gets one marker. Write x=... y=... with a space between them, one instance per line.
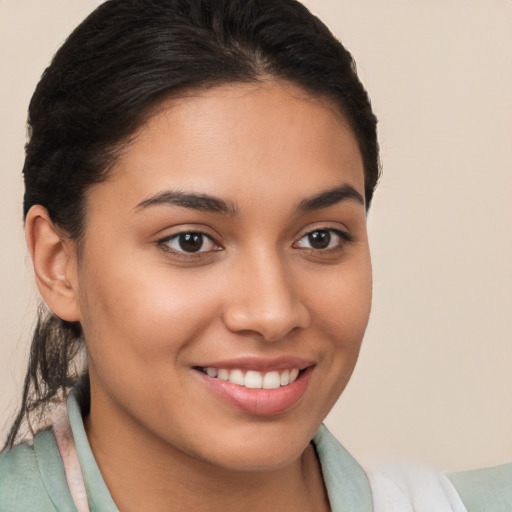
x=260 y=402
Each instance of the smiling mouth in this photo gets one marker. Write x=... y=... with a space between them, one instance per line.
x=257 y=386
x=252 y=379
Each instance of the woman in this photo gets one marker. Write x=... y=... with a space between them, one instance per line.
x=197 y=182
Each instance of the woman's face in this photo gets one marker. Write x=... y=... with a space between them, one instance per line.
x=228 y=243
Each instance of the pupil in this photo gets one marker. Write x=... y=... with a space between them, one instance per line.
x=191 y=242
x=320 y=239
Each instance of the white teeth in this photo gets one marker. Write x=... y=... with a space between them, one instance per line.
x=271 y=380
x=253 y=379
x=223 y=374
x=237 y=377
x=212 y=372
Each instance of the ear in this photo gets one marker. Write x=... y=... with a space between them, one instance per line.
x=55 y=264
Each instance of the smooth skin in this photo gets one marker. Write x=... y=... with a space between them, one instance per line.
x=280 y=268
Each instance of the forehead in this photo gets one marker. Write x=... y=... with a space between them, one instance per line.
x=256 y=137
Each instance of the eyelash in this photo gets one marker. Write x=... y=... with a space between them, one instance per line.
x=165 y=244
x=341 y=238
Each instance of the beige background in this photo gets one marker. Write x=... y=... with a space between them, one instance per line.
x=434 y=382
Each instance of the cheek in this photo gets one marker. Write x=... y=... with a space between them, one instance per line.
x=340 y=307
x=343 y=301
x=142 y=314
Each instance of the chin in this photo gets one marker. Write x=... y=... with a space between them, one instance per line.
x=258 y=449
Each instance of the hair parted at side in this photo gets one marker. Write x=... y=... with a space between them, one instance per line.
x=121 y=61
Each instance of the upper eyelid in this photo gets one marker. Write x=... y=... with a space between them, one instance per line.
x=178 y=230
x=345 y=239
x=173 y=236
x=164 y=245
x=216 y=238
x=186 y=232
x=342 y=231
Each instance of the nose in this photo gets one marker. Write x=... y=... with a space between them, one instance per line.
x=265 y=300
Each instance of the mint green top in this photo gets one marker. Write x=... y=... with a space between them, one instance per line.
x=32 y=478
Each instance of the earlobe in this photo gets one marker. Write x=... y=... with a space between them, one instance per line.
x=55 y=266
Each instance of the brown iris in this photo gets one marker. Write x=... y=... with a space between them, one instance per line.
x=319 y=239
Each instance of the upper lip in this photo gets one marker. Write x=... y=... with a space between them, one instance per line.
x=260 y=364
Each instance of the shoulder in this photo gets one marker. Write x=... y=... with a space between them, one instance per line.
x=485 y=490
x=405 y=487
x=345 y=480
x=32 y=477
x=21 y=483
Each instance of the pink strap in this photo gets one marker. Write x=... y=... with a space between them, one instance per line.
x=69 y=455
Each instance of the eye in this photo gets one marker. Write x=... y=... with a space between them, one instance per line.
x=189 y=242
x=323 y=239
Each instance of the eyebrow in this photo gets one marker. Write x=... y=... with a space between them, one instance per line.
x=330 y=198
x=212 y=204
x=200 y=202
